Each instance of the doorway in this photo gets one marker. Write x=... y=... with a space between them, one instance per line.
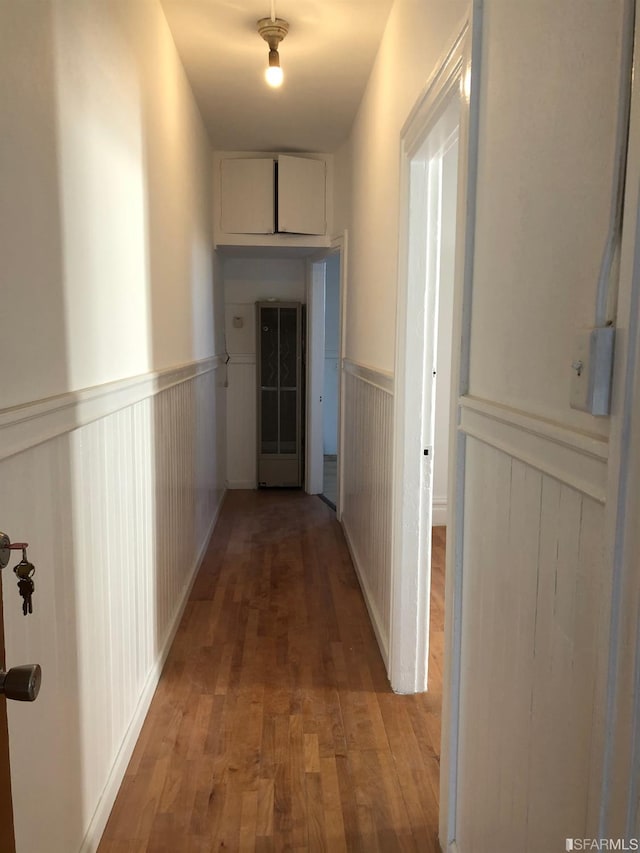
x=424 y=357
x=330 y=380
x=324 y=348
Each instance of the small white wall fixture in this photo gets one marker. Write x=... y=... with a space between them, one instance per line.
x=447 y=110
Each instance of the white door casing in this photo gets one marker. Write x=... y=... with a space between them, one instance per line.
x=316 y=270
x=456 y=76
x=426 y=136
x=314 y=453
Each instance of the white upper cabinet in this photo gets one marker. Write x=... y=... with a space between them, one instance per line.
x=246 y=203
x=256 y=204
x=301 y=195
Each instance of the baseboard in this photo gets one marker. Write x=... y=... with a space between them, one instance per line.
x=241 y=484
x=118 y=770
x=439 y=513
x=376 y=621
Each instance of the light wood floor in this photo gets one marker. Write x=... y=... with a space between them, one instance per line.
x=330 y=478
x=273 y=727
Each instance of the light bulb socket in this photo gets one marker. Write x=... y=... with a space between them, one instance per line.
x=273 y=31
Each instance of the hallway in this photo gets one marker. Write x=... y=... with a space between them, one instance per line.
x=273 y=726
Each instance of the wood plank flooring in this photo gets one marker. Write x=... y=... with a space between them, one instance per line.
x=273 y=727
x=330 y=478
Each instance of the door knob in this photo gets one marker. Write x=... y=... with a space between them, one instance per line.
x=21 y=683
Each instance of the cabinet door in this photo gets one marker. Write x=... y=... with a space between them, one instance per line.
x=301 y=195
x=247 y=196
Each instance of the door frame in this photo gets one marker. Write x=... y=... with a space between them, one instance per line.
x=426 y=137
x=315 y=367
x=409 y=582
x=410 y=574
x=620 y=780
x=315 y=376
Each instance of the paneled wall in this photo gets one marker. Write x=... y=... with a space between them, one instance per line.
x=118 y=502
x=112 y=418
x=535 y=609
x=366 y=484
x=536 y=569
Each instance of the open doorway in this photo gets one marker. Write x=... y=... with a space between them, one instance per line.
x=424 y=369
x=324 y=335
x=330 y=380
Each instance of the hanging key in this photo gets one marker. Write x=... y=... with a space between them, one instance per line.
x=26 y=587
x=24 y=572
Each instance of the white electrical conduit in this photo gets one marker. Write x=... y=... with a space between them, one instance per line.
x=606 y=296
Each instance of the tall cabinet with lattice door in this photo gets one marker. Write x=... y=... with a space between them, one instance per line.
x=280 y=393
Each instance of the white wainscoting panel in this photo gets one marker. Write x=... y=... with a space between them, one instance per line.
x=366 y=487
x=534 y=625
x=118 y=513
x=576 y=458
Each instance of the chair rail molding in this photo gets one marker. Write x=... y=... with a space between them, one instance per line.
x=578 y=459
x=33 y=423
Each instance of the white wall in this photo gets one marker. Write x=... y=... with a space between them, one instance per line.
x=342 y=191
x=559 y=139
x=444 y=332
x=544 y=187
x=104 y=205
x=248 y=280
x=112 y=420
x=415 y=37
x=331 y=350
x=620 y=800
x=535 y=580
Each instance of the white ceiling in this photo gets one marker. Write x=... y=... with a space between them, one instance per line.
x=326 y=59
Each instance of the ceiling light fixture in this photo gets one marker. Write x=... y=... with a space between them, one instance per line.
x=273 y=30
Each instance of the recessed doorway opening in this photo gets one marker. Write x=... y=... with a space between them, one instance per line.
x=324 y=348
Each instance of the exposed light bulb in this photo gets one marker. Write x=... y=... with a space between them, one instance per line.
x=273 y=30
x=273 y=75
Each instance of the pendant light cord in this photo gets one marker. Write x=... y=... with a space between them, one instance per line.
x=273 y=10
